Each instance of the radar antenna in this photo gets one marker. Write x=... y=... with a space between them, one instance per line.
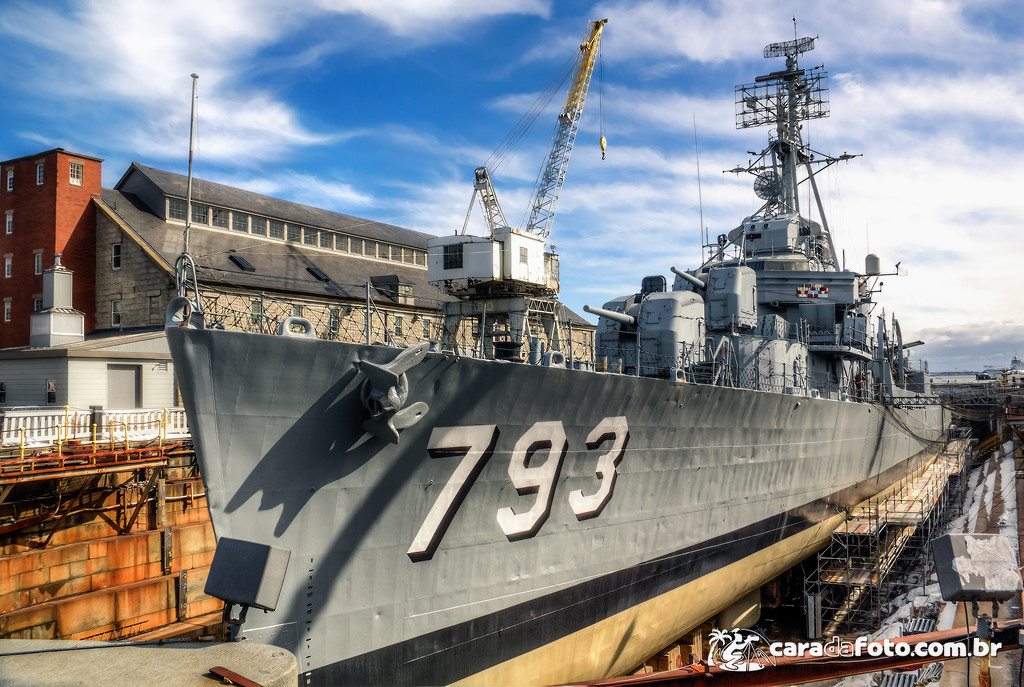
x=782 y=99
x=789 y=48
x=768 y=185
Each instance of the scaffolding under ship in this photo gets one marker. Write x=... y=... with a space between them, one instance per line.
x=448 y=517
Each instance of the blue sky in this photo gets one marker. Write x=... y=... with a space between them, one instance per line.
x=382 y=109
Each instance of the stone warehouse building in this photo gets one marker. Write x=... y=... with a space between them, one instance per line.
x=259 y=259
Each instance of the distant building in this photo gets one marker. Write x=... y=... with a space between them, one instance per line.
x=114 y=371
x=259 y=260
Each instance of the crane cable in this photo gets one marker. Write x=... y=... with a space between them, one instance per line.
x=600 y=97
x=503 y=154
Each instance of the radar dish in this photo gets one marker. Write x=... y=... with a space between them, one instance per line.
x=768 y=185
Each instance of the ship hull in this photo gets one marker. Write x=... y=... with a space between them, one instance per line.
x=601 y=516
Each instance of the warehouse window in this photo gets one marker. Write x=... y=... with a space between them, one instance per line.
x=318 y=273
x=200 y=213
x=177 y=209
x=241 y=263
x=76 y=173
x=40 y=174
x=115 y=313
x=219 y=217
x=334 y=324
x=115 y=256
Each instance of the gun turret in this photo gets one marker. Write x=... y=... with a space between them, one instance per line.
x=690 y=278
x=620 y=317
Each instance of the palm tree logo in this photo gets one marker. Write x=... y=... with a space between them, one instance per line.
x=738 y=651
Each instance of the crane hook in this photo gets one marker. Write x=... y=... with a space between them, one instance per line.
x=604 y=146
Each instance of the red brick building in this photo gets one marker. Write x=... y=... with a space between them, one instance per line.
x=46 y=208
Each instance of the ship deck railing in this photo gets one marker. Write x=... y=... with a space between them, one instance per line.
x=715 y=368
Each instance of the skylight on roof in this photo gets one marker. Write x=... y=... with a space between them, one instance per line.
x=241 y=263
x=318 y=273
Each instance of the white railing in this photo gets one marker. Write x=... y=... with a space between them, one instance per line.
x=48 y=425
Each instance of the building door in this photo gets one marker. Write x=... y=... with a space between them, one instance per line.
x=124 y=386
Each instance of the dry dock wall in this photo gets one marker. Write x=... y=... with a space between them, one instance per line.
x=103 y=586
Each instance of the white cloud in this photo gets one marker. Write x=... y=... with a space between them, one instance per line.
x=731 y=29
x=972 y=346
x=422 y=22
x=136 y=57
x=328 y=194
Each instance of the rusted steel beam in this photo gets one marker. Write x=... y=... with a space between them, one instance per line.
x=84 y=457
x=795 y=671
x=26 y=522
x=71 y=506
x=142 y=499
x=233 y=678
x=81 y=472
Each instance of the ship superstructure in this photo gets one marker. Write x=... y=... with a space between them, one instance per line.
x=441 y=516
x=772 y=308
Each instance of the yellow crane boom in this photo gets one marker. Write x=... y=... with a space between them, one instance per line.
x=552 y=174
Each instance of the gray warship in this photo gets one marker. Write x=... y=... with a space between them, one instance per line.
x=505 y=513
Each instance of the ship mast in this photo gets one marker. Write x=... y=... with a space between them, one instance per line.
x=783 y=99
x=185 y=277
x=191 y=151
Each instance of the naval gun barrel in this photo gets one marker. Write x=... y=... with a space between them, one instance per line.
x=620 y=317
x=690 y=278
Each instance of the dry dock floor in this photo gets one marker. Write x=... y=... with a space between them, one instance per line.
x=34 y=662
